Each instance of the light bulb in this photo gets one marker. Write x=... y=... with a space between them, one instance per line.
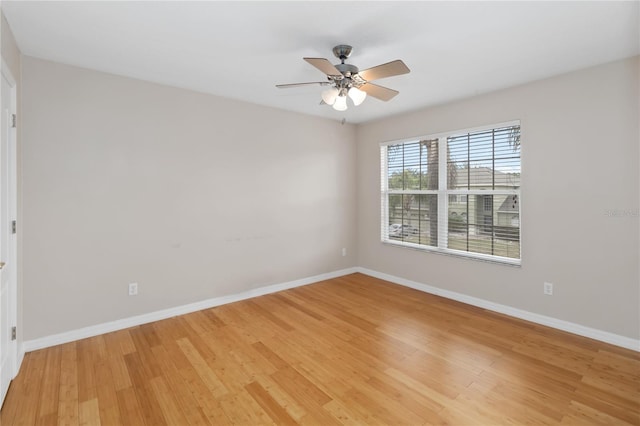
x=329 y=96
x=357 y=96
x=340 y=104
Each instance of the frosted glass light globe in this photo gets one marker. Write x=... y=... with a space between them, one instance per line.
x=340 y=104
x=357 y=96
x=329 y=96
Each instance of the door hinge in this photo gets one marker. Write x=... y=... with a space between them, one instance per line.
x=13 y=226
x=13 y=333
x=14 y=121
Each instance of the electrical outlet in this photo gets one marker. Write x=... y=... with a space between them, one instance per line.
x=548 y=289
x=133 y=289
x=344 y=251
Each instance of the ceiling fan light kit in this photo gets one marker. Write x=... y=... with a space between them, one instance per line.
x=357 y=95
x=340 y=104
x=329 y=95
x=347 y=80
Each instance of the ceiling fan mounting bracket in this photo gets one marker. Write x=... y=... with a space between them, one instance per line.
x=342 y=51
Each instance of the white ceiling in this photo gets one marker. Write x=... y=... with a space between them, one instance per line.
x=242 y=49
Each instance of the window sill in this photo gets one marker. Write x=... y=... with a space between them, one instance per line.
x=456 y=253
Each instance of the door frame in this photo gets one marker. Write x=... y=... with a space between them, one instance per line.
x=10 y=162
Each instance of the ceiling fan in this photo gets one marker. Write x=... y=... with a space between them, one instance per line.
x=346 y=80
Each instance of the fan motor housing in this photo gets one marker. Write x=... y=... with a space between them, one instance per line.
x=347 y=69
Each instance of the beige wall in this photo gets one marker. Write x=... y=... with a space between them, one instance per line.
x=579 y=159
x=190 y=195
x=12 y=59
x=10 y=51
x=194 y=196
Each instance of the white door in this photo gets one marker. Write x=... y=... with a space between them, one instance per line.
x=8 y=346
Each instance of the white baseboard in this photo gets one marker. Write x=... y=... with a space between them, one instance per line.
x=82 y=333
x=95 y=330
x=592 y=333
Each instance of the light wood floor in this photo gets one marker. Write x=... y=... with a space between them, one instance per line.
x=352 y=350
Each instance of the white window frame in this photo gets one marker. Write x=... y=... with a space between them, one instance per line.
x=443 y=197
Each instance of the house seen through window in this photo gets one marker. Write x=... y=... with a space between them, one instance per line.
x=455 y=193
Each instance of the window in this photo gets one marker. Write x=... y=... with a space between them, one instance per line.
x=456 y=193
x=488 y=203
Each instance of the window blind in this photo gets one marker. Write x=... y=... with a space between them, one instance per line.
x=457 y=193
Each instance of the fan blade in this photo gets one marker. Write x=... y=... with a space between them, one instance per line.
x=379 y=92
x=389 y=69
x=287 y=86
x=323 y=65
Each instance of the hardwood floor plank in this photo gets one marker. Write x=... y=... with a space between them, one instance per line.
x=119 y=342
x=48 y=407
x=252 y=363
x=28 y=401
x=149 y=406
x=537 y=374
x=209 y=405
x=197 y=340
x=213 y=383
x=169 y=334
x=149 y=333
x=173 y=414
x=347 y=351
x=277 y=413
x=299 y=387
x=86 y=379
x=107 y=397
x=420 y=404
x=200 y=323
x=269 y=316
x=392 y=397
x=130 y=409
x=380 y=409
x=269 y=355
x=170 y=329
x=232 y=316
x=492 y=406
x=289 y=300
x=624 y=408
x=282 y=398
x=229 y=370
x=242 y=409
x=580 y=414
x=213 y=318
x=329 y=377
x=180 y=389
x=68 y=393
x=550 y=407
x=319 y=416
x=347 y=415
x=625 y=367
x=150 y=368
x=89 y=413
x=118 y=368
x=422 y=388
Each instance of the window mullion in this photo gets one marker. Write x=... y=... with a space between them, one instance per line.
x=384 y=185
x=443 y=225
